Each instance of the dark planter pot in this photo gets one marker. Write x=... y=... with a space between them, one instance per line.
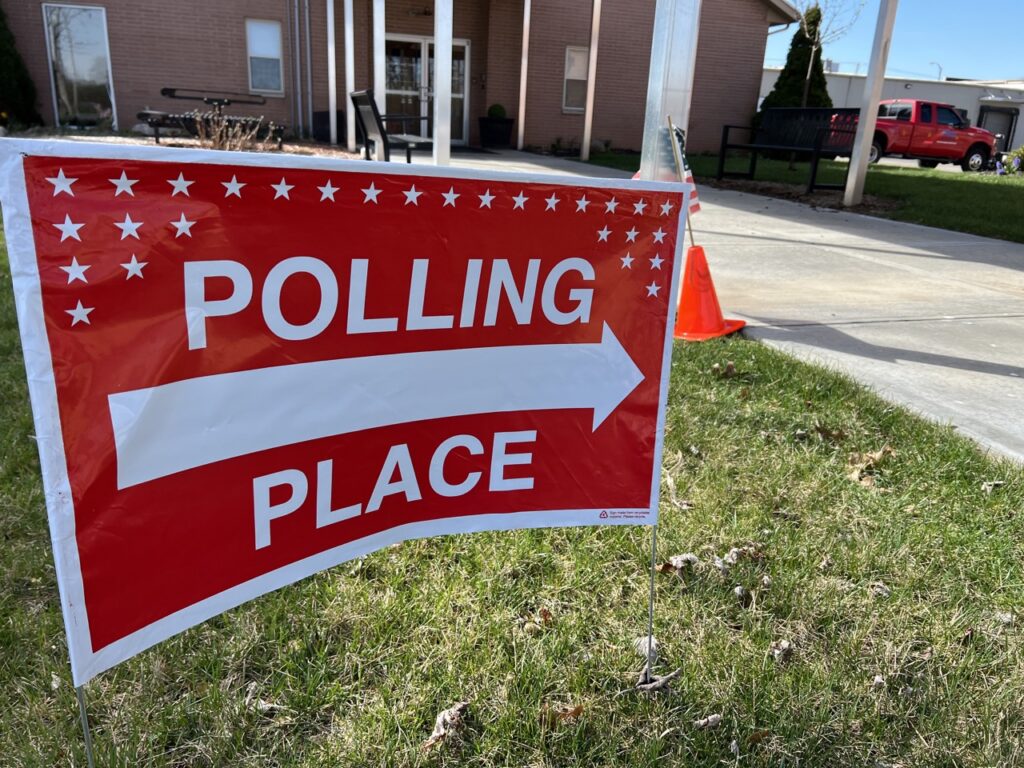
x=496 y=132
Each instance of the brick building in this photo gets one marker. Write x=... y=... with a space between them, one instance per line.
x=100 y=63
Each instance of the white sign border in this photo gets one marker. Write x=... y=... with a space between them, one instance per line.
x=85 y=663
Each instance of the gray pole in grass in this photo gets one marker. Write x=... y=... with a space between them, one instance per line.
x=869 y=108
x=669 y=88
x=80 y=694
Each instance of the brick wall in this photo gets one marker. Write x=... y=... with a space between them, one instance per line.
x=153 y=43
x=730 y=57
x=201 y=44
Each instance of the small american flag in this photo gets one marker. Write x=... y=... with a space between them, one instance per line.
x=687 y=174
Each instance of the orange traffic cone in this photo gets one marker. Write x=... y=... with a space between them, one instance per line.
x=699 y=316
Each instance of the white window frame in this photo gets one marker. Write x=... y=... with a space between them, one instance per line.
x=49 y=58
x=280 y=60
x=585 y=50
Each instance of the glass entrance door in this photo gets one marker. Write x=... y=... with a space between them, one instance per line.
x=409 y=85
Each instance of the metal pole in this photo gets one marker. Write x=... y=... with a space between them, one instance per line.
x=379 y=62
x=523 y=65
x=650 y=603
x=297 y=61
x=350 y=77
x=332 y=74
x=80 y=694
x=669 y=83
x=588 y=114
x=869 y=107
x=309 y=70
x=443 y=22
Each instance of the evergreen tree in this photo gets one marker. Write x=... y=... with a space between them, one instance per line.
x=17 y=92
x=793 y=83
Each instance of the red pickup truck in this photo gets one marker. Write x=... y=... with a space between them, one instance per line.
x=931 y=133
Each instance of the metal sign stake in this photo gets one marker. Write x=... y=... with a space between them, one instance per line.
x=80 y=694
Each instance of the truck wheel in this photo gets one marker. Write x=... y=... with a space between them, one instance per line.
x=928 y=163
x=876 y=152
x=975 y=160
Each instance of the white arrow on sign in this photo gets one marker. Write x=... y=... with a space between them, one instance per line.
x=186 y=424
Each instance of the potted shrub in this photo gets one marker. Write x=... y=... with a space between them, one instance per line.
x=496 y=128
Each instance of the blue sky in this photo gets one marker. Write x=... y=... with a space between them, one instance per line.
x=979 y=40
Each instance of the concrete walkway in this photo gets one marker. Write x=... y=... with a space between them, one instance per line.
x=929 y=318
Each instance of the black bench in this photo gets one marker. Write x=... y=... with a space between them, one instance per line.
x=820 y=133
x=195 y=122
x=373 y=125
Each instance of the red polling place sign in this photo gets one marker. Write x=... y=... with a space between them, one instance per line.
x=247 y=368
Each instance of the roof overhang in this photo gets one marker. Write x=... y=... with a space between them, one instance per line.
x=786 y=12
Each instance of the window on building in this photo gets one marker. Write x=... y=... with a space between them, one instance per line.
x=263 y=39
x=76 y=41
x=574 y=92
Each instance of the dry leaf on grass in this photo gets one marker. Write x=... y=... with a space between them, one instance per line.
x=711 y=721
x=546 y=617
x=781 y=650
x=879 y=589
x=650 y=684
x=831 y=435
x=864 y=465
x=724 y=373
x=447 y=724
x=552 y=716
x=757 y=737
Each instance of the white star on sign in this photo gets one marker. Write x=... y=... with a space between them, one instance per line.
x=666 y=208
x=552 y=202
x=371 y=194
x=638 y=208
x=79 y=314
x=183 y=225
x=134 y=268
x=520 y=201
x=327 y=191
x=180 y=185
x=61 y=183
x=450 y=197
x=656 y=262
x=627 y=262
x=69 y=229
x=412 y=195
x=611 y=205
x=130 y=228
x=659 y=235
x=76 y=271
x=581 y=204
x=485 y=199
x=602 y=235
x=653 y=288
x=123 y=184
x=233 y=187
x=631 y=235
x=281 y=189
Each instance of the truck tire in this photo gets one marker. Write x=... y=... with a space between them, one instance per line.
x=976 y=159
x=876 y=152
x=928 y=163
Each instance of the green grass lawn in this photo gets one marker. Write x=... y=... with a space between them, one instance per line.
x=979 y=203
x=915 y=578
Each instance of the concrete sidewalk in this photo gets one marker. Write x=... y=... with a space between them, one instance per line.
x=928 y=318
